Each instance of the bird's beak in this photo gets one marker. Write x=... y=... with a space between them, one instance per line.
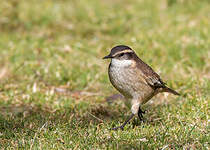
x=107 y=57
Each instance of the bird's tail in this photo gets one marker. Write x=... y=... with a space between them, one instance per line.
x=167 y=89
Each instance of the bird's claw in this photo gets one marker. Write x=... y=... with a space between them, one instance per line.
x=119 y=127
x=140 y=114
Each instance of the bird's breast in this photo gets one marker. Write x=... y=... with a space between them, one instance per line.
x=121 y=75
x=126 y=78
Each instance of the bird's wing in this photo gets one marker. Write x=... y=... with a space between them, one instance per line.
x=150 y=76
x=154 y=82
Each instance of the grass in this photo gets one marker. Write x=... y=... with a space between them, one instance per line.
x=53 y=82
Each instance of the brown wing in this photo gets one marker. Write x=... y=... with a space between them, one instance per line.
x=151 y=77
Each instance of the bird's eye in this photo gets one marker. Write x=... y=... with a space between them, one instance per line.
x=122 y=54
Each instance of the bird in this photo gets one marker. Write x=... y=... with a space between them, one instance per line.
x=134 y=79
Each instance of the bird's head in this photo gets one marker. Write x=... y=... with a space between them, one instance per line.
x=121 y=52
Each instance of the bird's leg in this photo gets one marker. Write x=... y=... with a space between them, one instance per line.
x=123 y=125
x=140 y=113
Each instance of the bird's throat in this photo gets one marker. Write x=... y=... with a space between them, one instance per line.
x=121 y=63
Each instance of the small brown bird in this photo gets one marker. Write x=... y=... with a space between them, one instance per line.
x=134 y=79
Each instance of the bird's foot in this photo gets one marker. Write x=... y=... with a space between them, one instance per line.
x=119 y=127
x=140 y=114
x=123 y=125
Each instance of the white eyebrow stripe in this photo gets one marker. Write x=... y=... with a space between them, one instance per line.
x=125 y=51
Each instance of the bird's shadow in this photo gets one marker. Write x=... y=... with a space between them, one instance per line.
x=27 y=118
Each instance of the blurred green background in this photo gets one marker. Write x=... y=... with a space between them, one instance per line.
x=53 y=82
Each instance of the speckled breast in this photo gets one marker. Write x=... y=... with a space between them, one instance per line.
x=121 y=78
x=127 y=80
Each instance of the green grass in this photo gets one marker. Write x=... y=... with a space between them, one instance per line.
x=50 y=45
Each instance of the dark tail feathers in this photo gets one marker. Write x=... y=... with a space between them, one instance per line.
x=167 y=89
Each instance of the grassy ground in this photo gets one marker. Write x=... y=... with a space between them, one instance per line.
x=53 y=82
